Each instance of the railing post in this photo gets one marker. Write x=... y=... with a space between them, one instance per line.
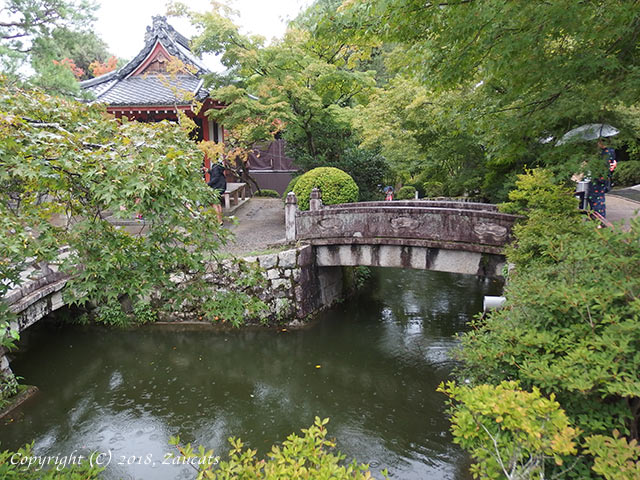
x=315 y=201
x=290 y=211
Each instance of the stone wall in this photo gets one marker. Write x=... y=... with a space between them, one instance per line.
x=296 y=286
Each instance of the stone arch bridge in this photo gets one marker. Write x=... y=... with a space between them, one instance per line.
x=459 y=237
x=451 y=236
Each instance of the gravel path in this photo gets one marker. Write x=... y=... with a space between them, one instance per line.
x=259 y=226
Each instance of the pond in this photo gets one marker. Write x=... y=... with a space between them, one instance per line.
x=371 y=365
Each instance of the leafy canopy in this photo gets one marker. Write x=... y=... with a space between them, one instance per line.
x=504 y=75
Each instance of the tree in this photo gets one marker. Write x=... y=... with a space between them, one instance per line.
x=571 y=326
x=299 y=85
x=420 y=138
x=27 y=20
x=524 y=71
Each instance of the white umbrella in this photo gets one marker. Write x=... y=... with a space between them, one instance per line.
x=591 y=131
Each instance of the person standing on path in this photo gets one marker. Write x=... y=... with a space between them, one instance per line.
x=599 y=184
x=218 y=182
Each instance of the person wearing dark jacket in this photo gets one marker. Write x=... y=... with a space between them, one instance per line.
x=218 y=182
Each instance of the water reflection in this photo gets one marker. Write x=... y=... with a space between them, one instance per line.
x=381 y=357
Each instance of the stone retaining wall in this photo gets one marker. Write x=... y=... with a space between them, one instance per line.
x=296 y=287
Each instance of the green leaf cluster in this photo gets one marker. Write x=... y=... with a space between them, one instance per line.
x=510 y=433
x=406 y=193
x=309 y=456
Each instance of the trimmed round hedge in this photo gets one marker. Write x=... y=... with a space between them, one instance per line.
x=336 y=187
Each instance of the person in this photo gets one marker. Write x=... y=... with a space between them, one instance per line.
x=389 y=193
x=218 y=182
x=599 y=185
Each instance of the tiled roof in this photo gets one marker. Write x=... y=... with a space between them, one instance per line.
x=118 y=88
x=152 y=90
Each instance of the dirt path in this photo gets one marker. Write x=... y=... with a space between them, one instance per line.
x=259 y=226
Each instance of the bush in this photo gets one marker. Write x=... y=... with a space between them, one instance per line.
x=267 y=193
x=336 y=187
x=627 y=173
x=406 y=193
x=310 y=456
x=433 y=188
x=289 y=188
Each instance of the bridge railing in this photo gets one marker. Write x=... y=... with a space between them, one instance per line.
x=470 y=226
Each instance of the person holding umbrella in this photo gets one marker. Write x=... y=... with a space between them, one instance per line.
x=599 y=184
x=605 y=165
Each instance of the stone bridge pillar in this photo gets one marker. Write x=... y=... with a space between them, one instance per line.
x=290 y=210
x=315 y=201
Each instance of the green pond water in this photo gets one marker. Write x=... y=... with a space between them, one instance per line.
x=381 y=356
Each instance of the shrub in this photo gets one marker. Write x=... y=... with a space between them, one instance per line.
x=267 y=193
x=336 y=187
x=310 y=456
x=406 y=193
x=433 y=189
x=627 y=173
x=289 y=188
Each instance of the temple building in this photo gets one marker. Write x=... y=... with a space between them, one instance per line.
x=149 y=88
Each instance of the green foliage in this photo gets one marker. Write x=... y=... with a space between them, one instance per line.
x=32 y=21
x=536 y=191
x=9 y=387
x=627 y=174
x=406 y=193
x=552 y=212
x=433 y=188
x=572 y=322
x=362 y=276
x=15 y=465
x=143 y=313
x=615 y=458
x=308 y=456
x=265 y=192
x=335 y=185
x=471 y=70
x=509 y=432
x=67 y=169
x=289 y=188
x=420 y=137
x=111 y=314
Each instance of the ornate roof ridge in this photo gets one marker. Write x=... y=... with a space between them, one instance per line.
x=160 y=28
x=160 y=31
